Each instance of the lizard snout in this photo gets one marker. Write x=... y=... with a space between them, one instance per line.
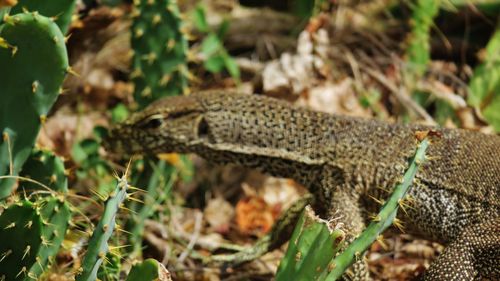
x=113 y=141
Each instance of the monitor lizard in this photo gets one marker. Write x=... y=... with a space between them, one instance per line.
x=345 y=162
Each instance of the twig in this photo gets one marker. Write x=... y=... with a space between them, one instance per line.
x=194 y=237
x=440 y=91
x=249 y=65
x=402 y=96
x=30 y=180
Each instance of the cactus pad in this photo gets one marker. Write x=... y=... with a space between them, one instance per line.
x=98 y=244
x=61 y=10
x=38 y=62
x=159 y=63
x=46 y=168
x=22 y=224
x=55 y=214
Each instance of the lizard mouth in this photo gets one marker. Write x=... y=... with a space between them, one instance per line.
x=113 y=145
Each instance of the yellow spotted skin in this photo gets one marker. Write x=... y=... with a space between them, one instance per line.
x=345 y=162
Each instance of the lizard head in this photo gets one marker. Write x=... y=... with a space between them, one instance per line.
x=173 y=123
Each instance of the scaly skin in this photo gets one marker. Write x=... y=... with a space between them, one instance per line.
x=344 y=161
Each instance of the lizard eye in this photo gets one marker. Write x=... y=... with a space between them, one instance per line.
x=153 y=122
x=202 y=128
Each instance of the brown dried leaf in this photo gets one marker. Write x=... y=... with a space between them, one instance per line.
x=335 y=98
x=163 y=274
x=280 y=193
x=296 y=73
x=254 y=216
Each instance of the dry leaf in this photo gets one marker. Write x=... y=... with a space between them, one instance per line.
x=254 y=216
x=335 y=98
x=295 y=73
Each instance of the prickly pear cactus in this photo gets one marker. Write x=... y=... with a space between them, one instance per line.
x=21 y=236
x=60 y=10
x=37 y=231
x=35 y=52
x=160 y=48
x=98 y=244
x=56 y=214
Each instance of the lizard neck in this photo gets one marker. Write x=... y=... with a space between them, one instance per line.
x=264 y=134
x=280 y=139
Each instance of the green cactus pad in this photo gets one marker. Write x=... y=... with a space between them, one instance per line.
x=160 y=48
x=21 y=236
x=61 y=10
x=38 y=63
x=55 y=213
x=47 y=169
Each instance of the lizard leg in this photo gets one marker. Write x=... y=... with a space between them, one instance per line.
x=279 y=234
x=345 y=207
x=473 y=255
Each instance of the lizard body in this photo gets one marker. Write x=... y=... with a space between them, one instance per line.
x=344 y=162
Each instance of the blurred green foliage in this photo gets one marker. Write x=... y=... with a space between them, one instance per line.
x=484 y=85
x=215 y=56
